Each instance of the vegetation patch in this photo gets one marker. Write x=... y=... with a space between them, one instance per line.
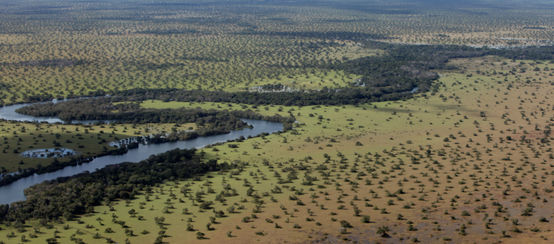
x=77 y=195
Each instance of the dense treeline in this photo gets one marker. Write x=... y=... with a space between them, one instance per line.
x=531 y=53
x=298 y=98
x=103 y=109
x=441 y=53
x=338 y=35
x=117 y=110
x=70 y=196
x=415 y=65
x=110 y=109
x=406 y=66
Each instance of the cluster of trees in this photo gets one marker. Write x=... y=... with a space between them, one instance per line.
x=70 y=196
x=339 y=35
x=103 y=109
x=48 y=62
x=532 y=53
x=294 y=98
x=113 y=109
x=407 y=63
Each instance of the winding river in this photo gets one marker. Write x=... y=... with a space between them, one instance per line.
x=15 y=191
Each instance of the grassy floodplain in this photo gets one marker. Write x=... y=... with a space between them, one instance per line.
x=465 y=163
x=18 y=137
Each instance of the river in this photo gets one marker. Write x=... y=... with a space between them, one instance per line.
x=15 y=191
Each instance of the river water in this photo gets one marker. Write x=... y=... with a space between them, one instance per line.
x=15 y=191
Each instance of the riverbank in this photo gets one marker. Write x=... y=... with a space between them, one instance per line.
x=14 y=190
x=12 y=184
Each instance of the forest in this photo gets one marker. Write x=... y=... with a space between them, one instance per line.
x=71 y=196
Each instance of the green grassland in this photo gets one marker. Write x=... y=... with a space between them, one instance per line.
x=465 y=162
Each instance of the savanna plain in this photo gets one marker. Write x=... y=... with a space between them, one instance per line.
x=402 y=122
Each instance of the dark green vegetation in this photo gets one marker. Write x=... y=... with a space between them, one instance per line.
x=118 y=110
x=78 y=195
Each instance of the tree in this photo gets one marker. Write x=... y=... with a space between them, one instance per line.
x=200 y=235
x=383 y=231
